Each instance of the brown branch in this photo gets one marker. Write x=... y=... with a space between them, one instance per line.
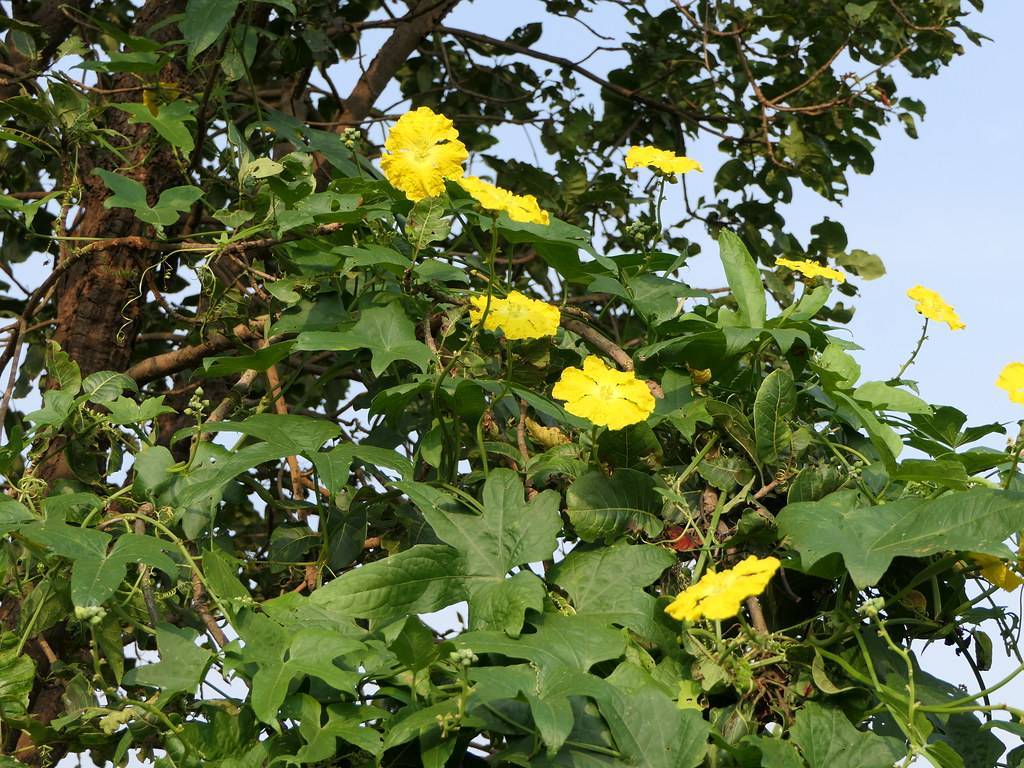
x=202 y=608
x=176 y=360
x=276 y=395
x=757 y=615
x=695 y=118
x=410 y=30
x=232 y=398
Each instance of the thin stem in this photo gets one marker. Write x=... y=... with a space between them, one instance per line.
x=913 y=355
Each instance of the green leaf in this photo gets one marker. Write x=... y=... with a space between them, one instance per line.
x=602 y=507
x=13 y=515
x=204 y=22
x=838 y=367
x=422 y=579
x=576 y=642
x=828 y=740
x=773 y=407
x=124 y=410
x=650 y=730
x=860 y=12
x=261 y=360
x=882 y=436
x=775 y=753
x=734 y=423
x=883 y=397
x=104 y=386
x=810 y=303
x=869 y=537
x=426 y=223
x=182 y=664
x=333 y=465
x=128 y=193
x=608 y=582
x=17 y=675
x=509 y=531
x=744 y=279
x=386 y=331
x=62 y=369
x=863 y=264
x=97 y=572
x=294 y=434
x=726 y=472
x=170 y=119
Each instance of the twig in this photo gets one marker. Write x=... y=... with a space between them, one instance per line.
x=281 y=407
x=19 y=334
x=147 y=588
x=757 y=615
x=201 y=607
x=166 y=363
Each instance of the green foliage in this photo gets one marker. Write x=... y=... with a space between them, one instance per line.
x=309 y=445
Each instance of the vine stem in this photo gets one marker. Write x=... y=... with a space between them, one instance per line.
x=913 y=355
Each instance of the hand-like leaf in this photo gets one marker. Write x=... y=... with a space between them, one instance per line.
x=385 y=331
x=869 y=537
x=827 y=739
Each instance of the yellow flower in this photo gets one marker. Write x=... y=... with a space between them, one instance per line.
x=719 y=595
x=1012 y=380
x=518 y=316
x=522 y=208
x=812 y=269
x=604 y=396
x=997 y=571
x=662 y=159
x=423 y=150
x=934 y=307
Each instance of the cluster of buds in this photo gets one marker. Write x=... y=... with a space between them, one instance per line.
x=351 y=138
x=640 y=230
x=196 y=404
x=870 y=608
x=463 y=657
x=93 y=614
x=448 y=722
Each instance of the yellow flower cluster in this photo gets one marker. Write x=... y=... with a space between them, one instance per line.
x=522 y=208
x=719 y=595
x=1011 y=378
x=934 y=307
x=603 y=395
x=518 y=316
x=660 y=159
x=423 y=149
x=999 y=572
x=812 y=269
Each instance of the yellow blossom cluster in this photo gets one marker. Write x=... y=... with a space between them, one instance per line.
x=423 y=149
x=999 y=572
x=603 y=395
x=660 y=159
x=518 y=316
x=934 y=307
x=812 y=269
x=523 y=208
x=718 y=596
x=1011 y=378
